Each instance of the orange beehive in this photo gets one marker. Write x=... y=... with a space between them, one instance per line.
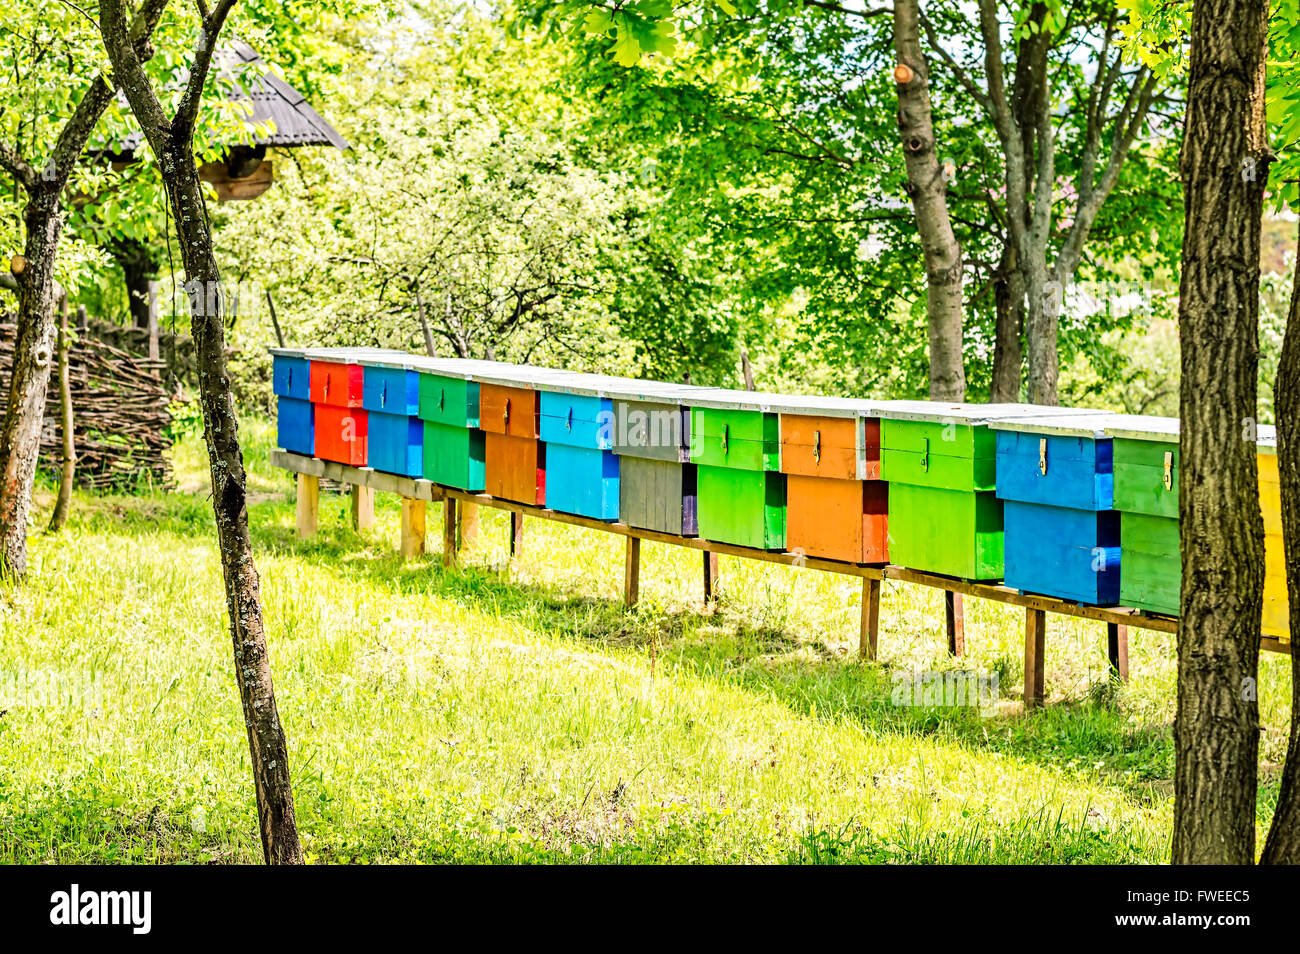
x=836 y=506
x=341 y=434
x=515 y=460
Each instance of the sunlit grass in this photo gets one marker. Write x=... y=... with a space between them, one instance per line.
x=519 y=713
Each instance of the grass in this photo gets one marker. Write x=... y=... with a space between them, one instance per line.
x=519 y=713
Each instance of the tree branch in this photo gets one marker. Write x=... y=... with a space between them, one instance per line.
x=187 y=112
x=17 y=167
x=128 y=71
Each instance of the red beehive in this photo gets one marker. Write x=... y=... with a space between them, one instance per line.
x=341 y=433
x=336 y=383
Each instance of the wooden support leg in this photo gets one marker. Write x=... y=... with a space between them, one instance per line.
x=516 y=534
x=954 y=622
x=363 y=508
x=1117 y=650
x=468 y=523
x=710 y=577
x=632 y=572
x=1035 y=649
x=870 y=618
x=412 y=528
x=449 y=532
x=308 y=509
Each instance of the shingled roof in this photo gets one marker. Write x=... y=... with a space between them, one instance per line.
x=296 y=123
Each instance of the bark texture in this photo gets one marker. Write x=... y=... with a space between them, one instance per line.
x=1282 y=846
x=928 y=188
x=172 y=141
x=1216 y=729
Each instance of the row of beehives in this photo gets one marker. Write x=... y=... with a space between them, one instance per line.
x=1072 y=503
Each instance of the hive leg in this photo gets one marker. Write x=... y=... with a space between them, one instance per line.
x=363 y=508
x=1035 y=648
x=308 y=507
x=710 y=577
x=413 y=528
x=449 y=531
x=870 y=618
x=955 y=622
x=632 y=572
x=1117 y=650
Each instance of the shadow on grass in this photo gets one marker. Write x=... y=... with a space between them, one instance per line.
x=810 y=676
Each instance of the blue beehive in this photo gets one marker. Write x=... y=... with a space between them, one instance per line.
x=581 y=468
x=1056 y=481
x=290 y=380
x=390 y=392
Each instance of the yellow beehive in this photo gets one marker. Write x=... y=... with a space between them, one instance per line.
x=1276 y=621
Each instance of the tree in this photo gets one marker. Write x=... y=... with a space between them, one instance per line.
x=1225 y=166
x=928 y=188
x=34 y=277
x=171 y=139
x=1114 y=106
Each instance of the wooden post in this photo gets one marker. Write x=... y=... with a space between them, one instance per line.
x=870 y=618
x=1035 y=648
x=449 y=531
x=632 y=572
x=308 y=509
x=710 y=577
x=413 y=528
x=516 y=534
x=468 y=523
x=363 y=507
x=954 y=613
x=1117 y=650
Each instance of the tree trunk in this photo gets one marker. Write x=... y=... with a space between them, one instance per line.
x=1216 y=729
x=266 y=740
x=64 y=502
x=20 y=436
x=928 y=189
x=1008 y=351
x=1282 y=847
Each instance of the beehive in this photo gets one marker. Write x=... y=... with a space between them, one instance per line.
x=836 y=504
x=454 y=447
x=390 y=394
x=1060 y=528
x=1276 y=620
x=290 y=381
x=736 y=447
x=1145 y=462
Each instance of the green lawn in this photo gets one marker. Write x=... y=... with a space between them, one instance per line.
x=519 y=713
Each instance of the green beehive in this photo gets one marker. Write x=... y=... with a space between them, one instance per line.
x=940 y=462
x=736 y=447
x=1145 y=453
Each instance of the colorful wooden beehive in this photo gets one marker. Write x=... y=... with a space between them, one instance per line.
x=514 y=459
x=940 y=462
x=581 y=468
x=837 y=507
x=340 y=422
x=290 y=381
x=657 y=482
x=454 y=447
x=1276 y=620
x=1060 y=528
x=390 y=395
x=1145 y=460
x=736 y=448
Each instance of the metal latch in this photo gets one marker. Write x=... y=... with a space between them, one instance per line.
x=327 y=385
x=568 y=421
x=1169 y=470
x=1042 y=456
x=726 y=431
x=289 y=383
x=925 y=454
x=505 y=414
x=442 y=399
x=817 y=446
x=383 y=396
